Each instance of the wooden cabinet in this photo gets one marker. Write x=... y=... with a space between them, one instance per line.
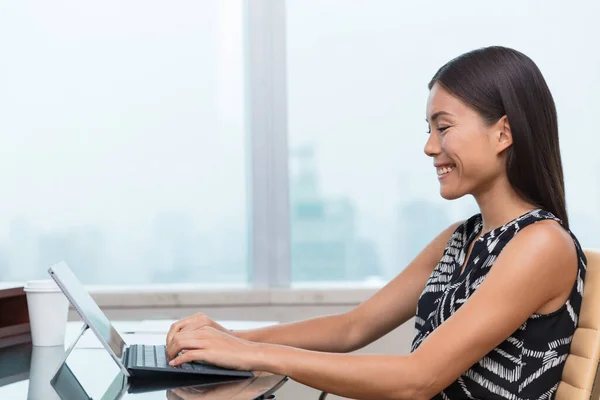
x=14 y=317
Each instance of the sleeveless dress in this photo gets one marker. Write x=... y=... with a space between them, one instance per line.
x=529 y=363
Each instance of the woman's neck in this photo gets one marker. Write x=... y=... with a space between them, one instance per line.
x=499 y=203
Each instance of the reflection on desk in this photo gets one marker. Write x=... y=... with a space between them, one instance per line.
x=33 y=365
x=261 y=386
x=26 y=373
x=15 y=362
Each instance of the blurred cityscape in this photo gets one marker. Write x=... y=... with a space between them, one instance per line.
x=326 y=242
x=325 y=238
x=173 y=252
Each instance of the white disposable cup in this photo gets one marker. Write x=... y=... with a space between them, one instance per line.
x=48 y=309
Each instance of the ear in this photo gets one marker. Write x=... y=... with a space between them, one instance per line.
x=502 y=134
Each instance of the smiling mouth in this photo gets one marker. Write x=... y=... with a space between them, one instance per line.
x=442 y=171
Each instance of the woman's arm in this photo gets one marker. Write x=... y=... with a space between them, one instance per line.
x=534 y=273
x=387 y=309
x=536 y=268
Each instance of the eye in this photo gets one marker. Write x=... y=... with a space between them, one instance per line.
x=442 y=128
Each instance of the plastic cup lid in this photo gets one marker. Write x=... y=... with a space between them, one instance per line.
x=46 y=285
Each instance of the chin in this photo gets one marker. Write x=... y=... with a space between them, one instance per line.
x=449 y=194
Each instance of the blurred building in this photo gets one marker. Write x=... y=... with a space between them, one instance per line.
x=83 y=248
x=22 y=251
x=325 y=245
x=178 y=252
x=419 y=221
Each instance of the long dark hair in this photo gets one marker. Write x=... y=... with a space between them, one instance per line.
x=498 y=81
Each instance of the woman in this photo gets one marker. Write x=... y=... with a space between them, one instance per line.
x=496 y=297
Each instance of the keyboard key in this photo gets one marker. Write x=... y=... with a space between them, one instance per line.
x=161 y=359
x=139 y=356
x=149 y=359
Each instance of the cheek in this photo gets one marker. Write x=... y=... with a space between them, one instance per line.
x=473 y=157
x=458 y=149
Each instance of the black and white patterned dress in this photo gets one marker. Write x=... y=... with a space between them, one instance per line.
x=529 y=363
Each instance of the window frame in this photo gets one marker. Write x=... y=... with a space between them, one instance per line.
x=266 y=110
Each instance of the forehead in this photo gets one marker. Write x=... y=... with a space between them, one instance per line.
x=441 y=100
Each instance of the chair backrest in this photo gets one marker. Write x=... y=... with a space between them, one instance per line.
x=580 y=378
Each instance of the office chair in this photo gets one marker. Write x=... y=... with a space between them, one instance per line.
x=580 y=378
x=581 y=375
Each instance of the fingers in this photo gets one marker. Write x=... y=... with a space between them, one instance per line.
x=196 y=321
x=188 y=356
x=186 y=340
x=200 y=321
x=178 y=344
x=176 y=327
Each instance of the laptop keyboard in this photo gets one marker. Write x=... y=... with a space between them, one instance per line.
x=144 y=356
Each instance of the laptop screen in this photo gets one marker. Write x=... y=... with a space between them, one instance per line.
x=87 y=308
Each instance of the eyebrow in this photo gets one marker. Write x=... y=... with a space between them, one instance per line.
x=437 y=115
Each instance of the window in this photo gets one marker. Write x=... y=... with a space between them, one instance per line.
x=364 y=196
x=122 y=146
x=278 y=143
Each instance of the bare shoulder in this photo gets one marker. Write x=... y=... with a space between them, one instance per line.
x=544 y=249
x=547 y=239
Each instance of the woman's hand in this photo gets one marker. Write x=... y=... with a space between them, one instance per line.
x=215 y=347
x=193 y=323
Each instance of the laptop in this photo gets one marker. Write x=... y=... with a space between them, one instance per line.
x=134 y=360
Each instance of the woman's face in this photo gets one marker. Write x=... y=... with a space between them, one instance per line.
x=467 y=152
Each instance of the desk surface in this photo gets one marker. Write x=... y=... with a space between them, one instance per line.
x=25 y=371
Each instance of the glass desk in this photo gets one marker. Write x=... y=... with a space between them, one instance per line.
x=90 y=373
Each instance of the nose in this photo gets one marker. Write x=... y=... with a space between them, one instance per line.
x=432 y=146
